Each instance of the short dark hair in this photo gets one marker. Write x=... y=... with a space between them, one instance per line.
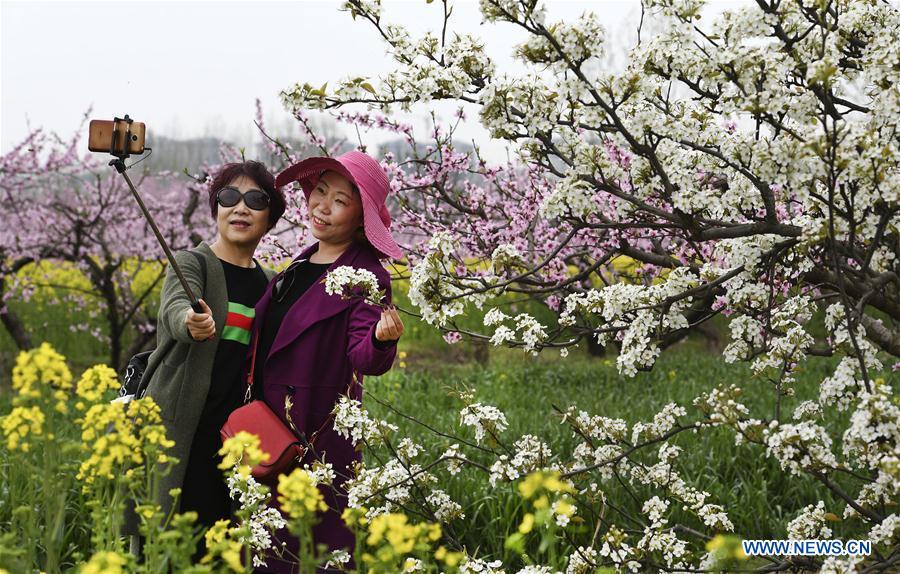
x=260 y=175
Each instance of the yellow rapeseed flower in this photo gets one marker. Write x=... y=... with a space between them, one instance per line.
x=527 y=523
x=242 y=449
x=106 y=562
x=726 y=547
x=355 y=516
x=94 y=383
x=564 y=508
x=539 y=481
x=20 y=424
x=216 y=533
x=144 y=411
x=120 y=436
x=298 y=496
x=40 y=366
x=715 y=543
x=147 y=510
x=433 y=531
x=395 y=537
x=62 y=401
x=220 y=543
x=451 y=559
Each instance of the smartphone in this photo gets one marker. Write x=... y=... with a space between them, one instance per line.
x=101 y=136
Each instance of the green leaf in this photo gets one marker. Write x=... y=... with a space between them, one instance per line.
x=515 y=542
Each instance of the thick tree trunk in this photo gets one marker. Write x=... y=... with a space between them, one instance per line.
x=11 y=321
x=15 y=328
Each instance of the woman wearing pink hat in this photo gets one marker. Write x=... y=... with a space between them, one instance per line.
x=314 y=347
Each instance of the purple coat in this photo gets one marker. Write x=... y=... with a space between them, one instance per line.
x=321 y=342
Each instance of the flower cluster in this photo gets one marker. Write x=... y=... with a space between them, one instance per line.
x=485 y=419
x=22 y=426
x=348 y=282
x=437 y=299
x=242 y=452
x=663 y=421
x=298 y=495
x=38 y=367
x=352 y=422
x=256 y=520
x=121 y=437
x=479 y=566
x=94 y=385
x=800 y=447
x=530 y=454
x=222 y=543
x=811 y=523
x=392 y=483
x=107 y=562
x=393 y=541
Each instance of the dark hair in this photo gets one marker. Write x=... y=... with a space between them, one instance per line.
x=261 y=176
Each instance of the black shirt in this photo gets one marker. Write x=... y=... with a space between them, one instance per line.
x=204 y=490
x=245 y=286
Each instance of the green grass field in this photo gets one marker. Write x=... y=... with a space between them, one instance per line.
x=758 y=496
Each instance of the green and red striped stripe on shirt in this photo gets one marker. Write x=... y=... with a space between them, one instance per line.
x=238 y=323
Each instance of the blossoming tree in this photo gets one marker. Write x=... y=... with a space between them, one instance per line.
x=748 y=167
x=62 y=204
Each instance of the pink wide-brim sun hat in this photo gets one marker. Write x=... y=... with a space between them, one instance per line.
x=372 y=182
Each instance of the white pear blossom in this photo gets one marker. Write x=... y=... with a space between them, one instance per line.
x=484 y=419
x=352 y=422
x=444 y=507
x=346 y=281
x=478 y=566
x=810 y=524
x=264 y=520
x=582 y=560
x=382 y=489
x=886 y=532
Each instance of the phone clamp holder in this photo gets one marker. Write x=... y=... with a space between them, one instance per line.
x=120 y=155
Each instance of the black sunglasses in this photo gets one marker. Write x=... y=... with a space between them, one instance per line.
x=283 y=284
x=254 y=199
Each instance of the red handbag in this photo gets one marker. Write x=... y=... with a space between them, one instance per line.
x=286 y=446
x=280 y=443
x=275 y=439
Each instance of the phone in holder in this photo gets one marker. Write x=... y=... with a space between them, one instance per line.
x=100 y=137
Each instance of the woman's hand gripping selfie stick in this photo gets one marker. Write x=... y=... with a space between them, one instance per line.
x=97 y=143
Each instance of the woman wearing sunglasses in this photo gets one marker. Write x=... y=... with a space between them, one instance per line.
x=310 y=347
x=197 y=382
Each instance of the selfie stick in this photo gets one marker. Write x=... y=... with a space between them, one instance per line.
x=119 y=164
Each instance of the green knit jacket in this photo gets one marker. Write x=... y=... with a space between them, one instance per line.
x=179 y=378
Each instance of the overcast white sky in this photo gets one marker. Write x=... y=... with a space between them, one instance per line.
x=195 y=68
